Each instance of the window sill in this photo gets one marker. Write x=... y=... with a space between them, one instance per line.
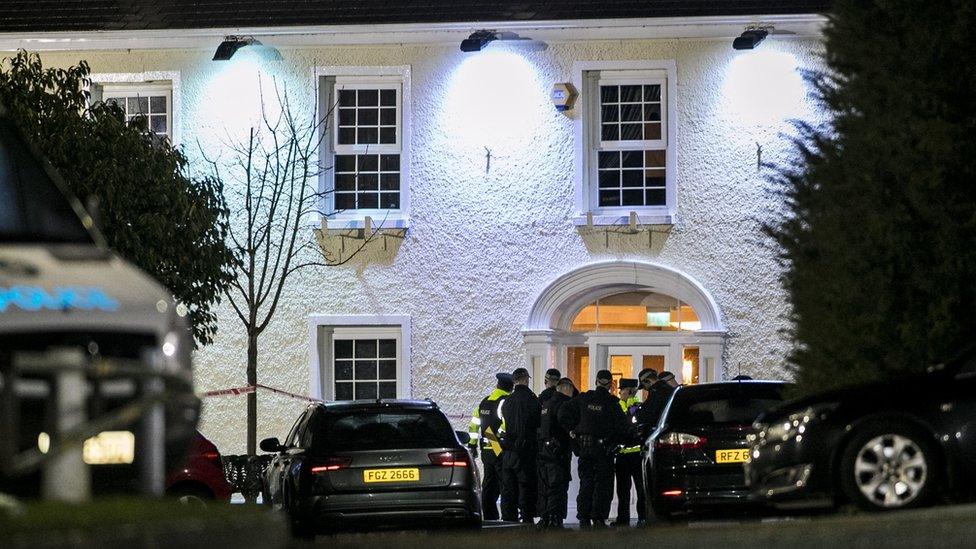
x=393 y=222
x=606 y=220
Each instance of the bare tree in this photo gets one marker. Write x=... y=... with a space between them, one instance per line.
x=274 y=177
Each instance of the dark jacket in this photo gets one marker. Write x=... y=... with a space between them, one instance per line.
x=650 y=411
x=522 y=414
x=545 y=395
x=550 y=429
x=595 y=413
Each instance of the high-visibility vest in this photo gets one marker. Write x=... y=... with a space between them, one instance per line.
x=629 y=406
x=486 y=422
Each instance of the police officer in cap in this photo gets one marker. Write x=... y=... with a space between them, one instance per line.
x=627 y=467
x=554 y=458
x=650 y=411
x=521 y=415
x=597 y=422
x=483 y=429
x=552 y=378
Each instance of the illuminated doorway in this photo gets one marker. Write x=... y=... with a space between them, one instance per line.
x=625 y=316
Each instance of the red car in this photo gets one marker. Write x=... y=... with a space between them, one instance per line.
x=201 y=479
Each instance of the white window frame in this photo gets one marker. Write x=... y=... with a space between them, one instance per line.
x=156 y=90
x=142 y=83
x=324 y=329
x=587 y=76
x=325 y=81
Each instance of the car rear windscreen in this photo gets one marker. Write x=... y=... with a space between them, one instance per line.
x=386 y=430
x=732 y=405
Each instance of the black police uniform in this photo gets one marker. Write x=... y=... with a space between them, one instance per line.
x=598 y=423
x=650 y=411
x=555 y=455
x=490 y=424
x=546 y=394
x=522 y=413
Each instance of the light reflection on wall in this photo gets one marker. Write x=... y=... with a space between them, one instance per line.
x=763 y=87
x=232 y=98
x=494 y=99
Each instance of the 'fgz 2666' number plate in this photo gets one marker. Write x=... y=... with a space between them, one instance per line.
x=391 y=475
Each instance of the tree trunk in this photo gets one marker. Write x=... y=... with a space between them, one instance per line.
x=252 y=397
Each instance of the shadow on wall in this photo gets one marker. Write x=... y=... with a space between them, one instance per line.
x=644 y=240
x=360 y=249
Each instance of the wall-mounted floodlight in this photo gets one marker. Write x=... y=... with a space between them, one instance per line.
x=231 y=44
x=480 y=39
x=749 y=39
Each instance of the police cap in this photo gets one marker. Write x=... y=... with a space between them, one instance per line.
x=664 y=376
x=553 y=374
x=627 y=383
x=604 y=375
x=647 y=373
x=503 y=377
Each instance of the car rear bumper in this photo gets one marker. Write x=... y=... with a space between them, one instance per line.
x=395 y=507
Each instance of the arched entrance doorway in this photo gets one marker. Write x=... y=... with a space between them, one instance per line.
x=625 y=316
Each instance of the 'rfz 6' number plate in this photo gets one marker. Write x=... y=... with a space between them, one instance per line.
x=732 y=456
x=391 y=475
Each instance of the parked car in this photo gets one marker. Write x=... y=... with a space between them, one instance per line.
x=693 y=459
x=898 y=444
x=375 y=462
x=201 y=478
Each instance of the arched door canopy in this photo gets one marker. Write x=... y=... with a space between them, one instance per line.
x=563 y=298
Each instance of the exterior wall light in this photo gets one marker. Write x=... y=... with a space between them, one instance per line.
x=231 y=44
x=750 y=38
x=478 y=40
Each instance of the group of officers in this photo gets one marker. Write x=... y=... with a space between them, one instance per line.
x=526 y=443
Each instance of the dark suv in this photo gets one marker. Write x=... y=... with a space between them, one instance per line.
x=381 y=462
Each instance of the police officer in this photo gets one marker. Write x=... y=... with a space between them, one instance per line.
x=484 y=427
x=554 y=458
x=552 y=378
x=521 y=415
x=646 y=379
x=597 y=422
x=627 y=467
x=650 y=411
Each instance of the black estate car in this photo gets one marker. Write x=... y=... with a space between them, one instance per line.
x=383 y=461
x=898 y=444
x=694 y=456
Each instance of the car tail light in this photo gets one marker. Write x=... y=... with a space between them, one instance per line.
x=680 y=441
x=212 y=456
x=331 y=464
x=672 y=493
x=454 y=458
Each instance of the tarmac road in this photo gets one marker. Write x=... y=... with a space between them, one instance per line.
x=942 y=527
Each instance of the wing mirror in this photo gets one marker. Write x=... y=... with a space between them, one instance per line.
x=271 y=445
x=463 y=436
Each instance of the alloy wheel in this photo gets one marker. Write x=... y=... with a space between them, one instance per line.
x=890 y=470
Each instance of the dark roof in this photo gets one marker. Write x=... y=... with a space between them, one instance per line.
x=92 y=15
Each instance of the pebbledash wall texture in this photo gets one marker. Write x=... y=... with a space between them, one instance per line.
x=483 y=242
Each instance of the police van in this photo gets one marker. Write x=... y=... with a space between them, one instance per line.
x=76 y=319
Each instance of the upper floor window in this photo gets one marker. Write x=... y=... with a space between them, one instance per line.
x=154 y=104
x=366 y=146
x=626 y=142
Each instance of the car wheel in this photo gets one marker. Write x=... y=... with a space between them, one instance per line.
x=191 y=496
x=889 y=467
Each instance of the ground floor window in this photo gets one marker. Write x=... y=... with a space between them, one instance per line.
x=359 y=357
x=365 y=368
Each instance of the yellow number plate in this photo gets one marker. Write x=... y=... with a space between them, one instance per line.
x=391 y=475
x=731 y=456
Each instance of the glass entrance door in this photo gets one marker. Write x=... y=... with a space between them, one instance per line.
x=629 y=361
